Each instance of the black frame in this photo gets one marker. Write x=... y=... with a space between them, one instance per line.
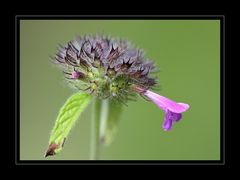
x=121 y=162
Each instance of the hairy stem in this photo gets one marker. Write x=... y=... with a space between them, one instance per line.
x=95 y=124
x=103 y=118
x=98 y=126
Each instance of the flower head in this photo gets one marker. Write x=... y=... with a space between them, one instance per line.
x=105 y=67
x=109 y=68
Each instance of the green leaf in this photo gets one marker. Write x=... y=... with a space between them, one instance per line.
x=109 y=120
x=66 y=118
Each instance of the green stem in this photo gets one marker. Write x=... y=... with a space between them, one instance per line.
x=98 y=126
x=103 y=118
x=94 y=136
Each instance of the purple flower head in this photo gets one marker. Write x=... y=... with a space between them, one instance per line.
x=105 y=67
x=172 y=109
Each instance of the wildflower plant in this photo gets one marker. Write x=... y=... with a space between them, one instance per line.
x=108 y=72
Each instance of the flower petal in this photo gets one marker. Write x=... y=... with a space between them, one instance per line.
x=165 y=103
x=167 y=124
x=176 y=116
x=156 y=99
x=75 y=75
x=184 y=106
x=169 y=120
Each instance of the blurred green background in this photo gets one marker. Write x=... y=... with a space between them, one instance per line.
x=188 y=55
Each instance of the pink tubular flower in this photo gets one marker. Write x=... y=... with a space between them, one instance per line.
x=172 y=109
